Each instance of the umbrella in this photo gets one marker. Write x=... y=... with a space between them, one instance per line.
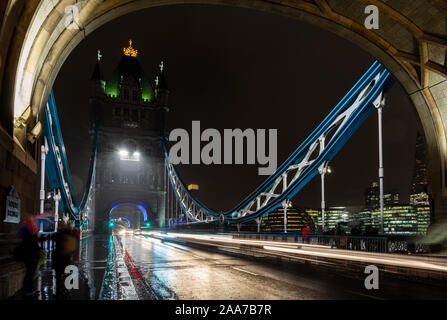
x=30 y=226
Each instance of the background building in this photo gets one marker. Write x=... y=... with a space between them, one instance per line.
x=372 y=197
x=315 y=215
x=296 y=220
x=419 y=183
x=399 y=219
x=333 y=216
x=419 y=197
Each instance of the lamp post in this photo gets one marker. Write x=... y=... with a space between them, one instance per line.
x=285 y=205
x=43 y=155
x=323 y=170
x=57 y=198
x=379 y=107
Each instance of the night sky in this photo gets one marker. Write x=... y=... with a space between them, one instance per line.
x=239 y=68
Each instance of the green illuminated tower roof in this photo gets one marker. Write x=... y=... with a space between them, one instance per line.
x=129 y=66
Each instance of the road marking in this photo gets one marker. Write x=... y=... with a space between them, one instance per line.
x=125 y=282
x=242 y=270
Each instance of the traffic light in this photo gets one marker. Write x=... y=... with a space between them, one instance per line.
x=111 y=224
x=147 y=224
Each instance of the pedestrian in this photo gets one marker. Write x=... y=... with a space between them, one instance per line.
x=66 y=245
x=29 y=252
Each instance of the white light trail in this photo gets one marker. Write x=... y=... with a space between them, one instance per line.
x=395 y=261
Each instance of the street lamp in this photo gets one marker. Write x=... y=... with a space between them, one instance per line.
x=286 y=204
x=57 y=197
x=323 y=169
x=379 y=107
x=124 y=153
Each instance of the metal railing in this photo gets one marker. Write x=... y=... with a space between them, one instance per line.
x=379 y=244
x=369 y=244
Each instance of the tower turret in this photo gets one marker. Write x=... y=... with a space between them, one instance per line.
x=161 y=88
x=97 y=85
x=97 y=82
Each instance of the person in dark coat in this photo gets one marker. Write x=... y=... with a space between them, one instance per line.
x=66 y=246
x=29 y=252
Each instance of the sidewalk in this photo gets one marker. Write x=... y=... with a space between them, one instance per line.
x=45 y=284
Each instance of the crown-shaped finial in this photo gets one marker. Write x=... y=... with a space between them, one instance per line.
x=130 y=51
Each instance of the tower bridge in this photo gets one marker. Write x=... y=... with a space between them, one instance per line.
x=411 y=43
x=130 y=174
x=127 y=160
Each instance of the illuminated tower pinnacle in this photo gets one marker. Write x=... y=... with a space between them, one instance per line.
x=161 y=87
x=97 y=76
x=130 y=51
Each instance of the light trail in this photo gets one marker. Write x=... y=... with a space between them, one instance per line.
x=395 y=261
x=228 y=239
x=423 y=263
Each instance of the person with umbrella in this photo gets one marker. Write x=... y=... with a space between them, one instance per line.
x=29 y=252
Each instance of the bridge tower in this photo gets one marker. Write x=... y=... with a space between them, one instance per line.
x=130 y=116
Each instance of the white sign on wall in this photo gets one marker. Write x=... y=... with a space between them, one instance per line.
x=12 y=213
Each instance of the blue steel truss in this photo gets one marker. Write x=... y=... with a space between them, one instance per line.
x=57 y=169
x=304 y=163
x=291 y=176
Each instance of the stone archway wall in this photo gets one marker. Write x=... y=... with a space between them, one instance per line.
x=411 y=42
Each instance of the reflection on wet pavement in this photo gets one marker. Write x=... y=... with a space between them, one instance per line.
x=173 y=271
x=132 y=267
x=46 y=281
x=91 y=261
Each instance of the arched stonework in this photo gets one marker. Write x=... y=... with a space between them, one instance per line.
x=411 y=42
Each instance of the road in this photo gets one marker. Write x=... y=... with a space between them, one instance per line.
x=172 y=271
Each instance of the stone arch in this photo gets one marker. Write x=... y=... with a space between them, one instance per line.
x=142 y=208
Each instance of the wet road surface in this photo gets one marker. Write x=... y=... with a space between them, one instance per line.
x=141 y=267
x=172 y=271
